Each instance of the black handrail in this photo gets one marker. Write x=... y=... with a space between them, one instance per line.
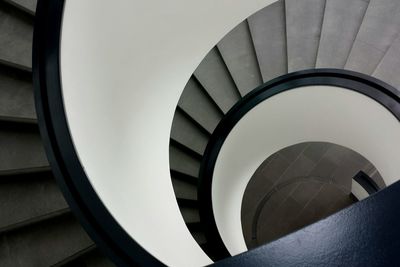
x=366 y=182
x=377 y=90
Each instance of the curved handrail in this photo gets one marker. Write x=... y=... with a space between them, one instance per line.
x=379 y=91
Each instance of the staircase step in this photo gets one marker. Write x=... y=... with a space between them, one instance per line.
x=214 y=76
x=20 y=149
x=303 y=29
x=342 y=21
x=93 y=258
x=25 y=174
x=194 y=227
x=379 y=29
x=76 y=259
x=16 y=31
x=238 y=53
x=268 y=30
x=185 y=178
x=187 y=133
x=43 y=244
x=183 y=162
x=388 y=69
x=191 y=217
x=29 y=201
x=198 y=105
x=16 y=93
x=185 y=149
x=25 y=5
x=184 y=189
x=188 y=203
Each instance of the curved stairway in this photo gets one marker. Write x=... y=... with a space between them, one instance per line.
x=287 y=36
x=36 y=225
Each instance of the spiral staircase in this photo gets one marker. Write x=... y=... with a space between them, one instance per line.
x=283 y=37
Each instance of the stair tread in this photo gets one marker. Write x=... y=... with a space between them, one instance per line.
x=26 y=5
x=43 y=244
x=92 y=258
x=30 y=200
x=342 y=21
x=303 y=29
x=378 y=30
x=21 y=150
x=195 y=102
x=238 y=53
x=16 y=94
x=388 y=69
x=183 y=162
x=187 y=133
x=16 y=33
x=214 y=76
x=268 y=30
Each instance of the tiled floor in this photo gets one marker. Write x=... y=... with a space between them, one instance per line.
x=297 y=186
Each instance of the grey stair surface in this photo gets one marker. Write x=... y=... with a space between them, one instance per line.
x=303 y=29
x=21 y=150
x=16 y=31
x=268 y=30
x=43 y=244
x=16 y=93
x=214 y=76
x=26 y=5
x=238 y=52
x=379 y=29
x=187 y=133
x=342 y=20
x=388 y=69
x=183 y=162
x=37 y=227
x=199 y=106
x=29 y=199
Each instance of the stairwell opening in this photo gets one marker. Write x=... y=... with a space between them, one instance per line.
x=299 y=185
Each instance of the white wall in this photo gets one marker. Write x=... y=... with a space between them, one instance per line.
x=124 y=64
x=306 y=114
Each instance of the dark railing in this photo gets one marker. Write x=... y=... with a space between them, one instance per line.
x=366 y=182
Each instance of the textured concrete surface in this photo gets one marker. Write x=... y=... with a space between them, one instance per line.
x=216 y=79
x=268 y=29
x=16 y=31
x=180 y=161
x=188 y=134
x=43 y=244
x=97 y=259
x=300 y=185
x=388 y=68
x=29 y=5
x=21 y=150
x=379 y=29
x=195 y=102
x=16 y=94
x=342 y=20
x=184 y=190
x=21 y=201
x=237 y=50
x=303 y=28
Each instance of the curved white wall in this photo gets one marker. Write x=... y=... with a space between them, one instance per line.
x=306 y=114
x=124 y=64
